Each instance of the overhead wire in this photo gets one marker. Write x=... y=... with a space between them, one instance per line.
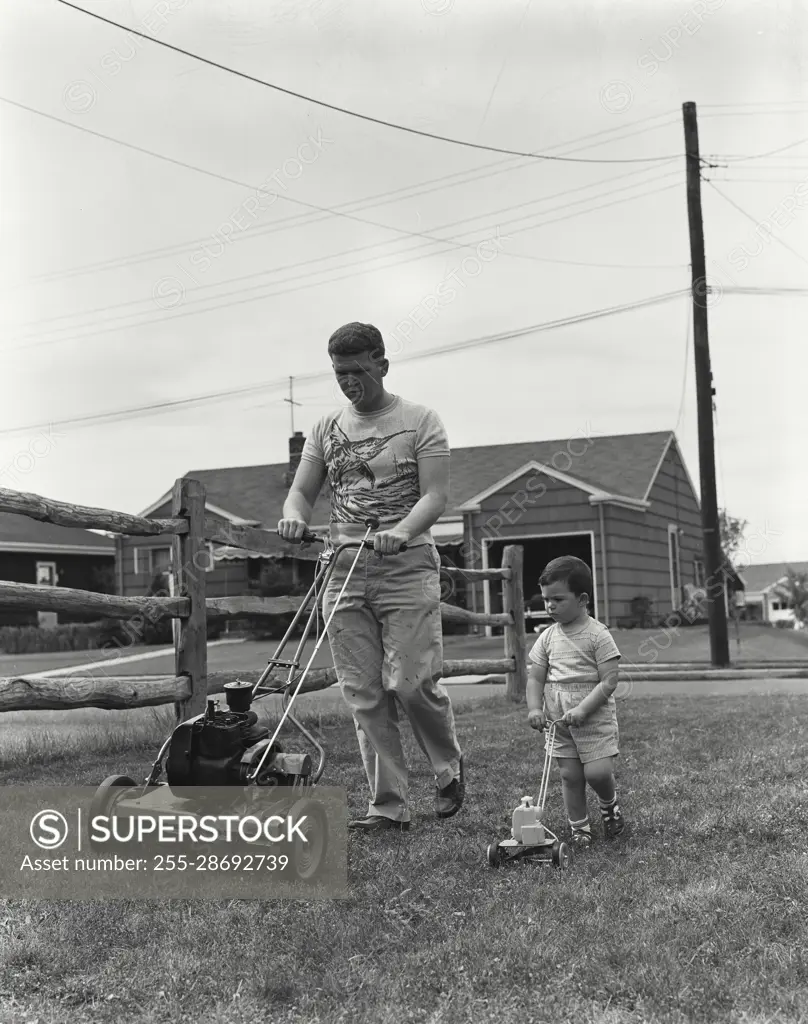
x=759 y=156
x=173 y=404
x=34 y=340
x=683 y=395
x=749 y=217
x=160 y=156
x=353 y=113
x=368 y=202
x=365 y=248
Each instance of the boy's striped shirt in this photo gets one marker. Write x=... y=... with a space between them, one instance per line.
x=574 y=657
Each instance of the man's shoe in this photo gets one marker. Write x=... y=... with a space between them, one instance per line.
x=449 y=800
x=378 y=823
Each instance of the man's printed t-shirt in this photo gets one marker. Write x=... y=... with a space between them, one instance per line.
x=574 y=657
x=372 y=464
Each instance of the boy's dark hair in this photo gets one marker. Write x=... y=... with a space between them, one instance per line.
x=355 y=339
x=570 y=570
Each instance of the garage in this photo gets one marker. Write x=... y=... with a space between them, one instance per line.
x=538 y=550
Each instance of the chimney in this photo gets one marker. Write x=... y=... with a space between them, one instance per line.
x=296 y=444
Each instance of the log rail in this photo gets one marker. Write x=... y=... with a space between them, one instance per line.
x=191 y=683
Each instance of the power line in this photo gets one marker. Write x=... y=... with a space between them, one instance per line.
x=765 y=291
x=754 y=181
x=684 y=372
x=368 y=202
x=34 y=342
x=200 y=170
x=760 y=156
x=761 y=103
x=365 y=248
x=356 y=114
x=135 y=411
x=757 y=113
x=187 y=166
x=748 y=216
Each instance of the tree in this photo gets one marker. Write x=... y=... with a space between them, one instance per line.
x=795 y=592
x=731 y=531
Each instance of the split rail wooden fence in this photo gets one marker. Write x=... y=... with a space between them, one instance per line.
x=191 y=683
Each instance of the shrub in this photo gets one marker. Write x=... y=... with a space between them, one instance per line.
x=74 y=636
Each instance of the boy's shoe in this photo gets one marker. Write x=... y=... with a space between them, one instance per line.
x=613 y=821
x=449 y=800
x=581 y=840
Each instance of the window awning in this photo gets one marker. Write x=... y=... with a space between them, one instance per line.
x=448 y=533
x=227 y=553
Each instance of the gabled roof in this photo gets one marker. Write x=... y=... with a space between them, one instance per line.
x=619 y=464
x=19 y=533
x=758 y=578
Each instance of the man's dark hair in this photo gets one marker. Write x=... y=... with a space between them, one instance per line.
x=355 y=339
x=570 y=570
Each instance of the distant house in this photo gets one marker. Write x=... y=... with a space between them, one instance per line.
x=625 y=504
x=35 y=552
x=763 y=602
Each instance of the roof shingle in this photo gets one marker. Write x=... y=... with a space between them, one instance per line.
x=620 y=464
x=18 y=529
x=758 y=577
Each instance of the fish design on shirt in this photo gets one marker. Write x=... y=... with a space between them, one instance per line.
x=353 y=456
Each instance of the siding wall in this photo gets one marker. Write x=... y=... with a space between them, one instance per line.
x=533 y=504
x=637 y=542
x=226 y=579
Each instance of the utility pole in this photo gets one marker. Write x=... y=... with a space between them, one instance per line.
x=292 y=404
x=716 y=608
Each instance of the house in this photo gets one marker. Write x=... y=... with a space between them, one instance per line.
x=625 y=504
x=763 y=602
x=35 y=552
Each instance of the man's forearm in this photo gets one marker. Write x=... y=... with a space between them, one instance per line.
x=296 y=507
x=425 y=513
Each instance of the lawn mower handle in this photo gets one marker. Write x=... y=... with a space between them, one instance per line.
x=309 y=538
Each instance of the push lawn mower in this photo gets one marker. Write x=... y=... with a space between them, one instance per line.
x=230 y=748
x=529 y=836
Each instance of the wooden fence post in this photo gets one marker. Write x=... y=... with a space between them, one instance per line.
x=189 y=562
x=513 y=603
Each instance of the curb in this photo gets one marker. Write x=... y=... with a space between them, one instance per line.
x=657 y=677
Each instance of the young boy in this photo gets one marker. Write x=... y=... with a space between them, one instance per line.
x=573 y=677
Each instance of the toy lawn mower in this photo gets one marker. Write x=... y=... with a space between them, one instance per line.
x=230 y=748
x=530 y=837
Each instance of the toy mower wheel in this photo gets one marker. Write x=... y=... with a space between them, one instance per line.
x=495 y=855
x=308 y=857
x=562 y=855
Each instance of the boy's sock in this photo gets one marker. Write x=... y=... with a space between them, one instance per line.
x=581 y=832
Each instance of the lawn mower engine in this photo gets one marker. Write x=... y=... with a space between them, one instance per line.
x=223 y=748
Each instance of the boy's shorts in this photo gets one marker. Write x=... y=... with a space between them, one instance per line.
x=598 y=737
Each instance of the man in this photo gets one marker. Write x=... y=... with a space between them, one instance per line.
x=387 y=458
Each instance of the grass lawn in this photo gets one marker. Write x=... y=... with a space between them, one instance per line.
x=697 y=915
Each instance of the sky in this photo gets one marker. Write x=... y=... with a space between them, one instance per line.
x=258 y=222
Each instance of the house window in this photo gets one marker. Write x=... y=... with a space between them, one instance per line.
x=153 y=561
x=674 y=564
x=698 y=573
x=159 y=560
x=46 y=574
